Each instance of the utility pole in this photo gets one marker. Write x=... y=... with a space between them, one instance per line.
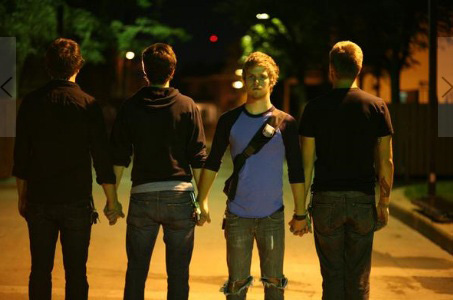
x=432 y=100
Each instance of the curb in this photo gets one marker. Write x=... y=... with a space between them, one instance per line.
x=423 y=225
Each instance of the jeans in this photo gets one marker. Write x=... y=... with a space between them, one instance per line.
x=73 y=222
x=269 y=233
x=344 y=225
x=147 y=211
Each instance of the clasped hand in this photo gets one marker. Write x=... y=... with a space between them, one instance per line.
x=113 y=212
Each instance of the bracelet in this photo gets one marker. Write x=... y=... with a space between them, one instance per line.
x=300 y=217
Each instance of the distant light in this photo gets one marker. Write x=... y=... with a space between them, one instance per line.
x=238 y=84
x=238 y=72
x=130 y=55
x=213 y=38
x=262 y=16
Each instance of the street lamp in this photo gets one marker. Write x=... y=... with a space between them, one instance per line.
x=238 y=84
x=262 y=16
x=130 y=55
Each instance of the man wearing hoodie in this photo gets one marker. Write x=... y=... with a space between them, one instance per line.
x=162 y=129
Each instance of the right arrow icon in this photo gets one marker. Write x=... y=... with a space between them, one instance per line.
x=451 y=87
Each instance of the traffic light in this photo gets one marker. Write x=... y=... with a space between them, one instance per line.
x=213 y=38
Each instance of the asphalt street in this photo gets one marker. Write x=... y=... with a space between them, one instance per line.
x=406 y=265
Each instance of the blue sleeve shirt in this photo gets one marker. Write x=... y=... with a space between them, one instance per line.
x=260 y=187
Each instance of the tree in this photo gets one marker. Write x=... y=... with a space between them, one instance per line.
x=296 y=34
x=100 y=27
x=301 y=33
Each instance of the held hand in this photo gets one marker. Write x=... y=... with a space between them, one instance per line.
x=22 y=205
x=382 y=214
x=204 y=217
x=299 y=228
x=113 y=211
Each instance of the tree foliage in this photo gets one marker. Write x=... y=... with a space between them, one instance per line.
x=100 y=27
x=389 y=31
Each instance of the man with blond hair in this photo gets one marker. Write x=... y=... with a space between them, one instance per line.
x=350 y=132
x=255 y=198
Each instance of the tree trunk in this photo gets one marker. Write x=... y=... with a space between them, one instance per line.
x=432 y=100
x=395 y=80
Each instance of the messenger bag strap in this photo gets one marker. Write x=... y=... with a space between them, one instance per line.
x=264 y=134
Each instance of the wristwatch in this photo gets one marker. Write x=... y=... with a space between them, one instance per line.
x=300 y=217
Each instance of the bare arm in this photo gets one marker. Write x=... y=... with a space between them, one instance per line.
x=308 y=157
x=113 y=208
x=384 y=164
x=22 y=192
x=110 y=194
x=118 y=170
x=204 y=186
x=299 y=227
x=385 y=167
x=299 y=200
x=196 y=175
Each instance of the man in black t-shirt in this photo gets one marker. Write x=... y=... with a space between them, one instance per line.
x=60 y=133
x=350 y=132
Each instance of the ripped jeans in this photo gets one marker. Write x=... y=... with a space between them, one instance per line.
x=269 y=233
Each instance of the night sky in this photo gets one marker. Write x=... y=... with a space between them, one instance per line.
x=200 y=19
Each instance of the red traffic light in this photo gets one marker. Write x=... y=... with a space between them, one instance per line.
x=213 y=38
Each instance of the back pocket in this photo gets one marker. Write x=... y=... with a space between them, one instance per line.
x=322 y=217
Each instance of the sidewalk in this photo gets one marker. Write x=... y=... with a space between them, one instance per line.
x=403 y=209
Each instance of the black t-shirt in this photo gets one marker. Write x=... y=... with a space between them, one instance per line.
x=345 y=124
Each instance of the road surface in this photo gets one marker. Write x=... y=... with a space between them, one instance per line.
x=405 y=264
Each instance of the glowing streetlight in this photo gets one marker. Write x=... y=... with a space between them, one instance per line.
x=238 y=72
x=262 y=16
x=238 y=84
x=130 y=55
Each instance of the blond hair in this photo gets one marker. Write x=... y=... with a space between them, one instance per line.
x=264 y=60
x=346 y=59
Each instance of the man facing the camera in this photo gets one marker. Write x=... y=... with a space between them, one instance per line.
x=255 y=208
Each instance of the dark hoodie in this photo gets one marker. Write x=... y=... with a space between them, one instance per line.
x=162 y=128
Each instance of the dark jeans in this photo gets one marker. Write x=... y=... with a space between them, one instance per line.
x=73 y=222
x=269 y=233
x=147 y=211
x=344 y=225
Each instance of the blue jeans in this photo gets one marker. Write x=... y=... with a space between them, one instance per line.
x=269 y=233
x=344 y=225
x=73 y=223
x=147 y=211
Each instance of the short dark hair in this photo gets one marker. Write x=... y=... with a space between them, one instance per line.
x=159 y=63
x=346 y=58
x=63 y=58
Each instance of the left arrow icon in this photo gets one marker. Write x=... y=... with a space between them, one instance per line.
x=3 y=86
